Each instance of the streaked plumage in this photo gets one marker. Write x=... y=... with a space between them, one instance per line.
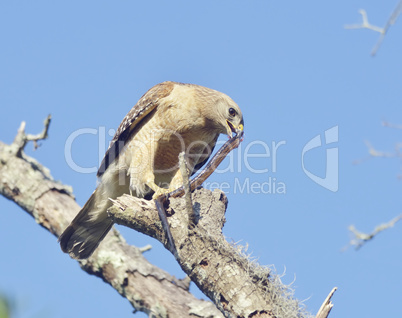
x=143 y=156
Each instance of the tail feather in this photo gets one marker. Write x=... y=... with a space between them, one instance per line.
x=87 y=230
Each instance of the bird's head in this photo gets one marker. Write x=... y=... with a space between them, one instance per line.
x=229 y=116
x=234 y=121
x=221 y=112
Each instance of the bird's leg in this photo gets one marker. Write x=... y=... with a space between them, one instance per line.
x=157 y=189
x=175 y=183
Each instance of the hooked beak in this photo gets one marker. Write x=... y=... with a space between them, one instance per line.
x=232 y=129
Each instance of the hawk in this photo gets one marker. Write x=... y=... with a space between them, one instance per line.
x=142 y=158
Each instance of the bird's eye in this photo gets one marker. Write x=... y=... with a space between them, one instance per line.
x=232 y=112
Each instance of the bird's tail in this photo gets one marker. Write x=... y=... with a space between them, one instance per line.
x=87 y=230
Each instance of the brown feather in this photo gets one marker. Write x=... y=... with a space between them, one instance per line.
x=83 y=235
x=143 y=155
x=147 y=103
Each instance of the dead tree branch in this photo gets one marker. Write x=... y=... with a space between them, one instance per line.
x=237 y=286
x=360 y=238
x=27 y=183
x=374 y=153
x=326 y=307
x=383 y=31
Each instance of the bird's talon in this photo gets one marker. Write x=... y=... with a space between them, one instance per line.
x=159 y=193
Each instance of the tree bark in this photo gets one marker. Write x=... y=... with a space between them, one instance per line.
x=237 y=286
x=147 y=287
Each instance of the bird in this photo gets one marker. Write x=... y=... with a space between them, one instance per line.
x=143 y=156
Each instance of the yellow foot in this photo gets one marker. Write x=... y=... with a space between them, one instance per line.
x=159 y=192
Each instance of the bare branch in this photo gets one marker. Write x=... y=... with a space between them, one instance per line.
x=382 y=154
x=365 y=24
x=391 y=125
x=326 y=307
x=392 y=19
x=238 y=287
x=41 y=136
x=122 y=266
x=374 y=153
x=383 y=31
x=21 y=138
x=360 y=238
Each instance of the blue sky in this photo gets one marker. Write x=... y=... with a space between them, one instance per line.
x=295 y=72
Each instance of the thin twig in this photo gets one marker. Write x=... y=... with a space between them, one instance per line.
x=145 y=248
x=365 y=24
x=391 y=125
x=21 y=139
x=42 y=135
x=376 y=153
x=360 y=238
x=392 y=19
x=372 y=152
x=383 y=31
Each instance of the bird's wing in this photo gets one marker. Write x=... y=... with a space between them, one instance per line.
x=147 y=103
